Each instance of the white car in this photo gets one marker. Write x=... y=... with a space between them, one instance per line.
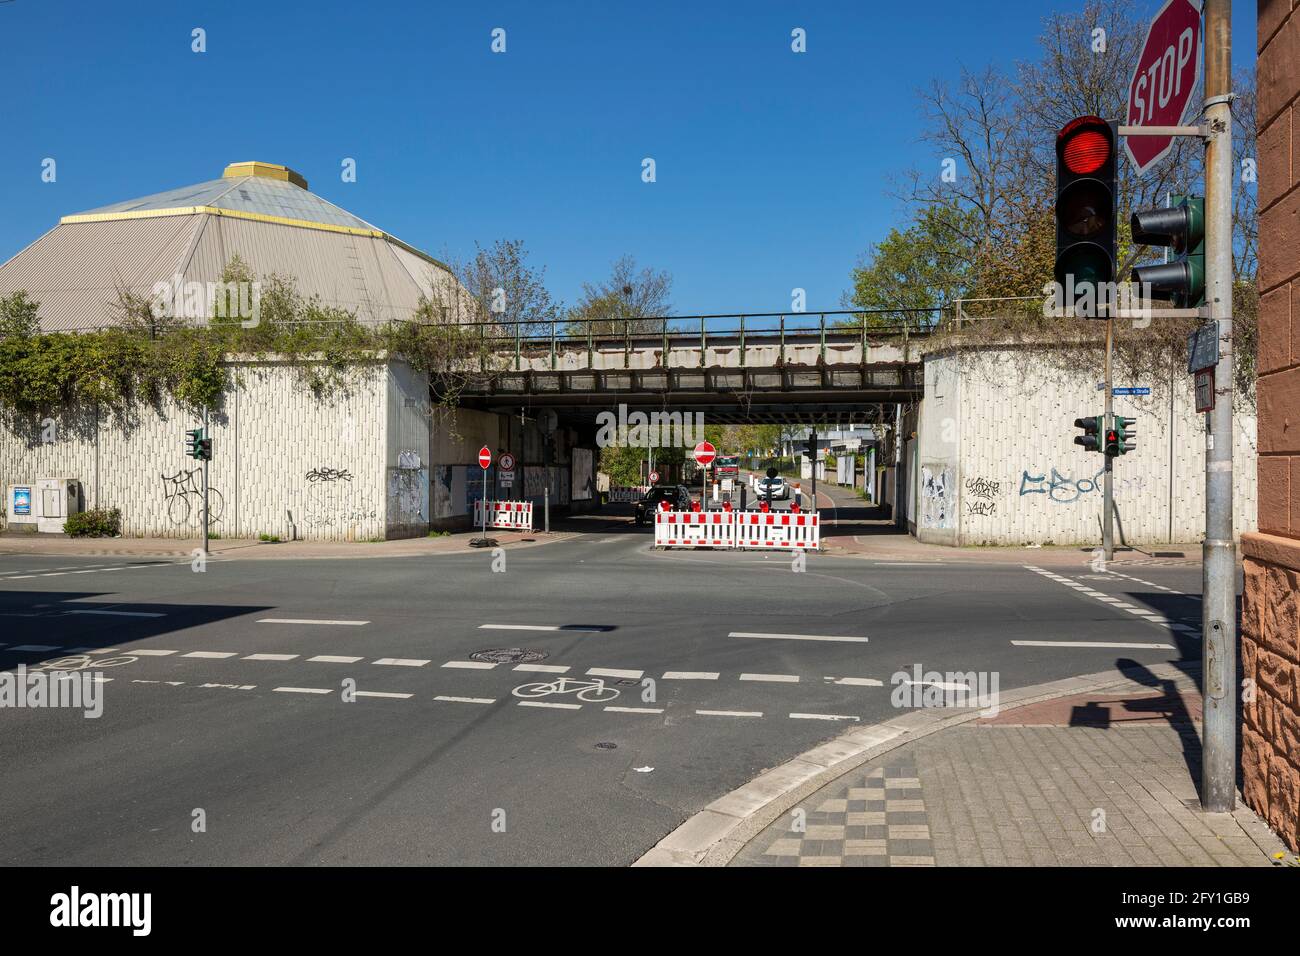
x=777 y=488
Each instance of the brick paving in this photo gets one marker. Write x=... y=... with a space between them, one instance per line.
x=1082 y=781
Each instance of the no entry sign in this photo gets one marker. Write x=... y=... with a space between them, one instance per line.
x=485 y=458
x=705 y=453
x=1164 y=79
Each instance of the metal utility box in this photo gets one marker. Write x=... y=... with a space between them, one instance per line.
x=20 y=505
x=56 y=498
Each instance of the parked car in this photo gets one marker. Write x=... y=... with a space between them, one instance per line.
x=679 y=495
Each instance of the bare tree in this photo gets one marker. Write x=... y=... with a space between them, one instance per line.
x=630 y=300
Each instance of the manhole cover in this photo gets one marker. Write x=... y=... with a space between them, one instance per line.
x=607 y=745
x=509 y=655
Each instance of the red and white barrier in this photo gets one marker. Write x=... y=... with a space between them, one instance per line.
x=513 y=515
x=695 y=529
x=778 y=530
x=628 y=494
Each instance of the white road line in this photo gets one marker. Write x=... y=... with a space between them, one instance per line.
x=400 y=662
x=120 y=613
x=269 y=657
x=542 y=703
x=613 y=672
x=822 y=717
x=690 y=675
x=18 y=577
x=305 y=620
x=1169 y=647
x=774 y=678
x=35 y=647
x=798 y=637
x=472 y=665
x=467 y=700
x=635 y=710
x=216 y=654
x=730 y=713
x=332 y=659
x=542 y=668
x=151 y=652
x=857 y=681
x=381 y=693
x=302 y=690
x=540 y=627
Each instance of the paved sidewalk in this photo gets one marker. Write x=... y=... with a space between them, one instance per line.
x=1085 y=780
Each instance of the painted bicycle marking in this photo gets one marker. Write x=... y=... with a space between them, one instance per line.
x=592 y=691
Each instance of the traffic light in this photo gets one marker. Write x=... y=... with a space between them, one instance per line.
x=1181 y=227
x=1112 y=442
x=1127 y=434
x=205 y=450
x=810 y=448
x=1092 y=427
x=194 y=443
x=1085 y=213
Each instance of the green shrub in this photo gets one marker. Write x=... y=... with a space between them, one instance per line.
x=96 y=523
x=268 y=538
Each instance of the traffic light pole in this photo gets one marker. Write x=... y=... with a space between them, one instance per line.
x=1219 y=577
x=205 y=485
x=1108 y=486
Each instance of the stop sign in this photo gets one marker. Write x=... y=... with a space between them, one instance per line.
x=1164 y=79
x=485 y=457
x=705 y=453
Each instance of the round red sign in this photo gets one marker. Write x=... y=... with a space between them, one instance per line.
x=705 y=453
x=507 y=462
x=485 y=457
x=654 y=477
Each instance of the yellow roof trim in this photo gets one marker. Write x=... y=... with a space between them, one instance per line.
x=266 y=171
x=253 y=216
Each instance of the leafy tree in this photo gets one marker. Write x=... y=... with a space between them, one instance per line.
x=19 y=316
x=630 y=300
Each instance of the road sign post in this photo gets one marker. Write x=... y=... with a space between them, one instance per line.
x=704 y=454
x=484 y=462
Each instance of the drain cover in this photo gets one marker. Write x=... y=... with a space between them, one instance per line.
x=607 y=745
x=509 y=655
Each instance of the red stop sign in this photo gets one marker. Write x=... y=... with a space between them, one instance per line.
x=1164 y=79
x=485 y=458
x=705 y=453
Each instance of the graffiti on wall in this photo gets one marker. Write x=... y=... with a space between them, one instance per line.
x=183 y=494
x=1063 y=489
x=936 y=500
x=980 y=495
x=408 y=490
x=330 y=500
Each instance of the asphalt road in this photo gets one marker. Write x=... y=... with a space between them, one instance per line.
x=220 y=702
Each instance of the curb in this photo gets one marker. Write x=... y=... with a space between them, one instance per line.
x=714 y=835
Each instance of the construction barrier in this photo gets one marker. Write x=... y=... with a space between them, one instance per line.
x=514 y=515
x=778 y=530
x=695 y=529
x=628 y=494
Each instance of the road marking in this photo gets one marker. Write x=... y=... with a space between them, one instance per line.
x=471 y=665
x=690 y=675
x=822 y=717
x=151 y=652
x=467 y=700
x=775 y=678
x=798 y=637
x=730 y=713
x=542 y=703
x=306 y=620
x=217 y=654
x=857 y=681
x=542 y=668
x=302 y=690
x=613 y=672
x=400 y=662
x=231 y=686
x=635 y=710
x=18 y=577
x=120 y=613
x=1169 y=647
x=269 y=657
x=332 y=659
x=35 y=647
x=543 y=627
x=381 y=693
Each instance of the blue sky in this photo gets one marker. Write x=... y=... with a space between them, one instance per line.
x=773 y=169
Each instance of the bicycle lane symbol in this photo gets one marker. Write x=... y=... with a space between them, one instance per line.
x=82 y=662
x=592 y=691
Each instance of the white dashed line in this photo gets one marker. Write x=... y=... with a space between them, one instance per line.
x=302 y=690
x=120 y=613
x=467 y=700
x=381 y=693
x=690 y=675
x=471 y=665
x=213 y=654
x=635 y=710
x=541 y=627
x=730 y=713
x=798 y=637
x=305 y=620
x=35 y=647
x=151 y=652
x=857 y=681
x=400 y=662
x=772 y=678
x=332 y=659
x=541 y=668
x=1169 y=647
x=613 y=672
x=822 y=717
x=269 y=657
x=542 y=703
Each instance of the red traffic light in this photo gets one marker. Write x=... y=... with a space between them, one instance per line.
x=1085 y=145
